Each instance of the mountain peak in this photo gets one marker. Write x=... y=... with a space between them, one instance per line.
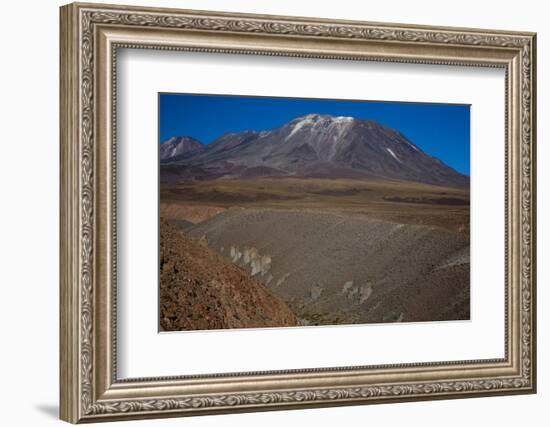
x=318 y=145
x=315 y=117
x=174 y=140
x=178 y=147
x=317 y=123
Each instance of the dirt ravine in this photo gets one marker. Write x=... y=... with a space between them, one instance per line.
x=331 y=267
x=199 y=289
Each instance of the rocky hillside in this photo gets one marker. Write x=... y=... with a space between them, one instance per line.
x=314 y=145
x=201 y=290
x=340 y=267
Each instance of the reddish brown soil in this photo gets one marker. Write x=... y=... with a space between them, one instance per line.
x=199 y=289
x=194 y=214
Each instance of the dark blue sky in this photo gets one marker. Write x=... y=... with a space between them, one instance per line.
x=441 y=130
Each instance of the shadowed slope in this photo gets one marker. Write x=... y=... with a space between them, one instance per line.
x=200 y=290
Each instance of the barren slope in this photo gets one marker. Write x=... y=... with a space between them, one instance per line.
x=201 y=290
x=332 y=267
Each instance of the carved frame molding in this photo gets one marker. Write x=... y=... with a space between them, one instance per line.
x=90 y=36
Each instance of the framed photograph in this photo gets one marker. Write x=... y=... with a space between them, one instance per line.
x=266 y=212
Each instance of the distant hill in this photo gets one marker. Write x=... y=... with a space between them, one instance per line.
x=179 y=147
x=313 y=145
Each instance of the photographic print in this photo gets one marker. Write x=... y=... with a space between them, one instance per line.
x=302 y=188
x=280 y=212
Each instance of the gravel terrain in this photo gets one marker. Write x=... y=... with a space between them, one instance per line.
x=201 y=290
x=335 y=268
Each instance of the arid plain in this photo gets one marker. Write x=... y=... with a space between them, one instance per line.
x=337 y=251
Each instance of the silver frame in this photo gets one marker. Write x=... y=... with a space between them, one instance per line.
x=90 y=37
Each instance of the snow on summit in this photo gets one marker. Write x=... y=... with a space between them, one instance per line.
x=314 y=120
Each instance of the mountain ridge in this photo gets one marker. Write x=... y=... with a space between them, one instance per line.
x=312 y=145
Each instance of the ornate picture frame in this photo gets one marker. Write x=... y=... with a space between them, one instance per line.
x=90 y=37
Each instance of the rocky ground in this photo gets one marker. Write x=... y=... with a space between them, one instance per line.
x=337 y=251
x=336 y=268
x=199 y=289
